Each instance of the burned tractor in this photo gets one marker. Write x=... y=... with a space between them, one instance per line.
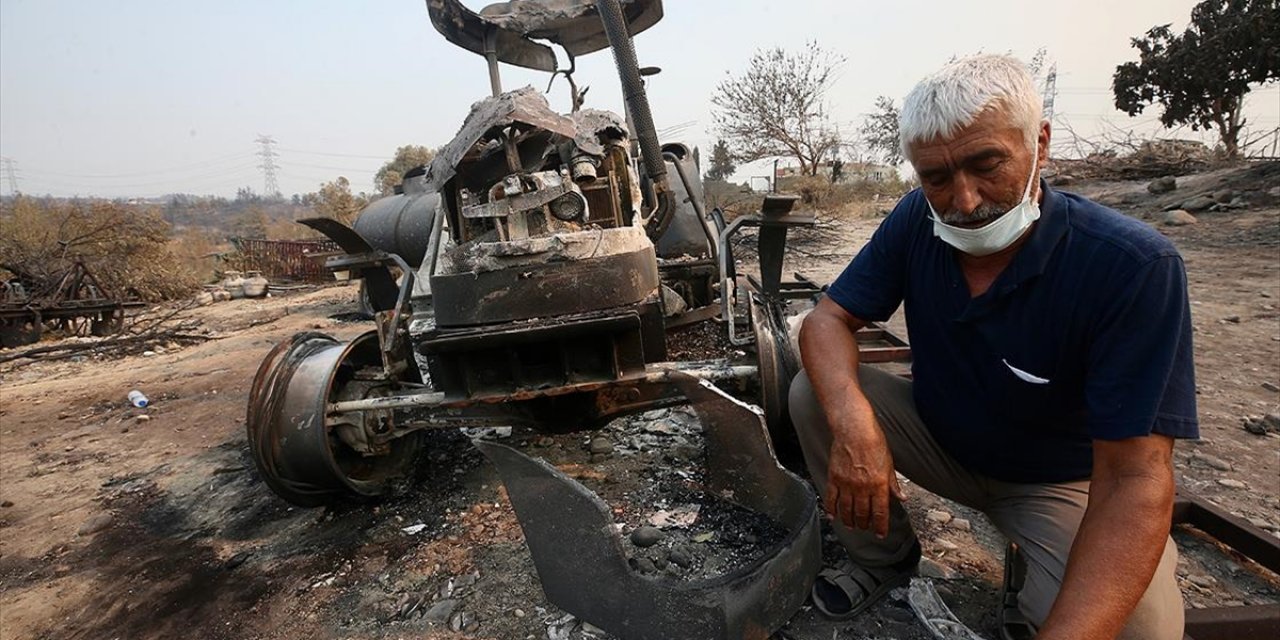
x=529 y=276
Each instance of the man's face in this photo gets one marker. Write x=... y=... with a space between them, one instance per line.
x=980 y=173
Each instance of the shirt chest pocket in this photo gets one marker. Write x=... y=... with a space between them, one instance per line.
x=1029 y=388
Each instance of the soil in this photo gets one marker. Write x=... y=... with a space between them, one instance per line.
x=118 y=522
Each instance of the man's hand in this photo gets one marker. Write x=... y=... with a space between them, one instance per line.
x=861 y=479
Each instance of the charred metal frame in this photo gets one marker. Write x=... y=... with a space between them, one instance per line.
x=566 y=527
x=76 y=301
x=1230 y=623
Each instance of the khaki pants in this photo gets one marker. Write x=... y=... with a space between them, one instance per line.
x=1041 y=518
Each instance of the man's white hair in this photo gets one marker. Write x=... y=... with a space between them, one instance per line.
x=952 y=98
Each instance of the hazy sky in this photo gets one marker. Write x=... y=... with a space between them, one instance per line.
x=148 y=97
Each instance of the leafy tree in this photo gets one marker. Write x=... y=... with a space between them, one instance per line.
x=1201 y=76
x=335 y=200
x=722 y=165
x=406 y=158
x=777 y=108
x=879 y=131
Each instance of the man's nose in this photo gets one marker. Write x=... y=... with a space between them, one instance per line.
x=964 y=194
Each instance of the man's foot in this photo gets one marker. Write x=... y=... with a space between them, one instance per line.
x=843 y=592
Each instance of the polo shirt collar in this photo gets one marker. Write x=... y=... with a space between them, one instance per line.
x=1032 y=258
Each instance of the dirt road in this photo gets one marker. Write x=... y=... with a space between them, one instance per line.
x=126 y=523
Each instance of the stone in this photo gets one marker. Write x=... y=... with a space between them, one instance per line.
x=1175 y=218
x=600 y=446
x=961 y=524
x=592 y=630
x=1274 y=192
x=1271 y=420
x=142 y=418
x=6 y=504
x=930 y=568
x=1208 y=582
x=1232 y=319
x=681 y=556
x=647 y=536
x=519 y=613
x=947 y=544
x=1224 y=195
x=938 y=516
x=1232 y=483
x=441 y=611
x=1198 y=203
x=1211 y=461
x=95 y=524
x=643 y=565
x=1255 y=426
x=1162 y=185
x=1271 y=386
x=1260 y=523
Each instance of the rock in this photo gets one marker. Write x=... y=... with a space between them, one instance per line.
x=930 y=568
x=591 y=630
x=148 y=354
x=519 y=613
x=647 y=536
x=1162 y=185
x=1175 y=218
x=681 y=556
x=236 y=560
x=1255 y=426
x=462 y=621
x=1232 y=319
x=1208 y=582
x=1260 y=523
x=938 y=516
x=600 y=446
x=441 y=611
x=142 y=418
x=1198 y=203
x=1224 y=195
x=947 y=544
x=1132 y=198
x=6 y=504
x=95 y=524
x=1270 y=386
x=1232 y=483
x=1274 y=192
x=1271 y=420
x=1211 y=461
x=961 y=524
x=643 y=565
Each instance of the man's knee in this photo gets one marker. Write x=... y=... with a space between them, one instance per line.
x=802 y=404
x=1158 y=615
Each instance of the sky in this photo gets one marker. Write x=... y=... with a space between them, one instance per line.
x=149 y=97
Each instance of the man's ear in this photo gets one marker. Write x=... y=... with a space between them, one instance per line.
x=1046 y=134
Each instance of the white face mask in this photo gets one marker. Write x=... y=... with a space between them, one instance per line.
x=996 y=235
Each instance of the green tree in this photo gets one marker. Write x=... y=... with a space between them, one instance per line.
x=1200 y=77
x=879 y=131
x=722 y=165
x=778 y=107
x=335 y=200
x=406 y=158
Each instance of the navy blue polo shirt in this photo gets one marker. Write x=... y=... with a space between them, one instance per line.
x=1085 y=335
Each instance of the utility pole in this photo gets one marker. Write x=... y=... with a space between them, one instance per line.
x=11 y=175
x=1050 y=91
x=271 y=188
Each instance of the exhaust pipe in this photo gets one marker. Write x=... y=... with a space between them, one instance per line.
x=637 y=101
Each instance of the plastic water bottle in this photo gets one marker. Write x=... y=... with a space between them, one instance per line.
x=137 y=399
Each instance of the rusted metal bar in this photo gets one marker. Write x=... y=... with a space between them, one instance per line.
x=1233 y=623
x=709 y=370
x=287 y=259
x=1254 y=543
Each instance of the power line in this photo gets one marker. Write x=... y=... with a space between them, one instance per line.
x=270 y=187
x=336 y=155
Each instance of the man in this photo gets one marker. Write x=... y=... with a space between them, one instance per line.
x=1052 y=371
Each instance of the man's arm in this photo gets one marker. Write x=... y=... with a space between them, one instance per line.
x=1119 y=543
x=861 y=475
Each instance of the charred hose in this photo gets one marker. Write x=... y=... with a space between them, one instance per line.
x=633 y=93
